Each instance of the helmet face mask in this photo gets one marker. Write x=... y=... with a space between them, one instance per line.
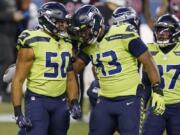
x=62 y=28
x=86 y=23
x=166 y=30
x=85 y=35
x=53 y=17
x=163 y=36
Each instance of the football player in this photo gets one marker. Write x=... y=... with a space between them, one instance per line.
x=166 y=52
x=44 y=58
x=114 y=52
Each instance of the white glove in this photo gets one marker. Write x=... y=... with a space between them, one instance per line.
x=9 y=73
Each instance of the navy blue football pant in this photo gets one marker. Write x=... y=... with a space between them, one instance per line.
x=170 y=120
x=121 y=114
x=49 y=116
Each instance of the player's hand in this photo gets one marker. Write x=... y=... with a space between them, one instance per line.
x=75 y=109
x=9 y=73
x=23 y=122
x=158 y=104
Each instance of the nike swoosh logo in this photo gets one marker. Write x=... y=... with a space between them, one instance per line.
x=129 y=103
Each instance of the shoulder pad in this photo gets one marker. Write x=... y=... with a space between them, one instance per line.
x=26 y=38
x=21 y=39
x=23 y=35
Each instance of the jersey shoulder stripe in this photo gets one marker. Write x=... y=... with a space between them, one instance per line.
x=28 y=37
x=36 y=39
x=120 y=35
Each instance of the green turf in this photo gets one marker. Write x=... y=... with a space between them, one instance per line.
x=8 y=129
x=6 y=108
x=79 y=128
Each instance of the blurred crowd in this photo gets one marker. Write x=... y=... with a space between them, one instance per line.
x=18 y=15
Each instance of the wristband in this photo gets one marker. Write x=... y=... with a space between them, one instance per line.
x=73 y=101
x=17 y=110
x=157 y=89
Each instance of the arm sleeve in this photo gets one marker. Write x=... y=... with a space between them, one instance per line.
x=137 y=47
x=84 y=57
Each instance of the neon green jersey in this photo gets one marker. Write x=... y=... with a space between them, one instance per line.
x=47 y=75
x=169 y=68
x=116 y=67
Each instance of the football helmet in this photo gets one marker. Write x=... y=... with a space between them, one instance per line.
x=125 y=15
x=167 y=30
x=86 y=23
x=53 y=18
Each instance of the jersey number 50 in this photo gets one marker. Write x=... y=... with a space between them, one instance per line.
x=56 y=65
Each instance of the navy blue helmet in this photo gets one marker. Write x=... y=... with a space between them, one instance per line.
x=50 y=14
x=167 y=30
x=86 y=23
x=125 y=15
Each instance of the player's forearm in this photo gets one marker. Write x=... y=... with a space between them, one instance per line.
x=16 y=92
x=150 y=67
x=78 y=67
x=152 y=72
x=72 y=87
x=147 y=14
x=80 y=63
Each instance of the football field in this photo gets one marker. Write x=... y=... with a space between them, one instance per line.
x=9 y=127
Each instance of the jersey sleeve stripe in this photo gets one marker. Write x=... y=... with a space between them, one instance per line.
x=119 y=36
x=36 y=39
